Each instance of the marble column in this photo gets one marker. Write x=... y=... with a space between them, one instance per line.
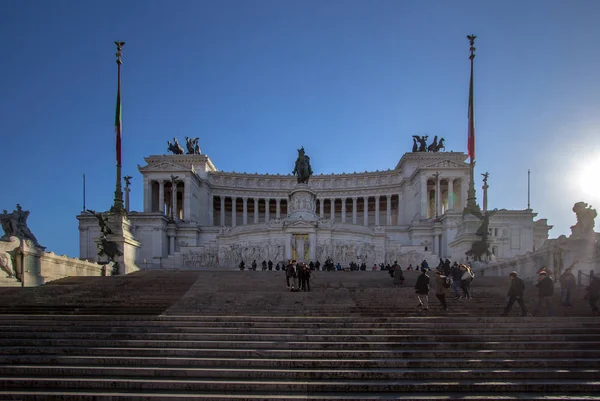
x=278 y=208
x=354 y=203
x=147 y=195
x=174 y=200
x=366 y=211
x=255 y=210
x=424 y=209
x=312 y=246
x=161 y=196
x=267 y=205
x=388 y=211
x=451 y=194
x=401 y=209
x=127 y=190
x=332 y=209
x=211 y=210
x=377 y=210
x=343 y=210
x=438 y=197
x=288 y=246
x=244 y=211
x=233 y=211
x=172 y=244
x=185 y=202
x=435 y=245
x=321 y=208
x=222 y=211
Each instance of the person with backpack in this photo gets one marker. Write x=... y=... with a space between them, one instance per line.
x=515 y=293
x=422 y=289
x=465 y=281
x=441 y=283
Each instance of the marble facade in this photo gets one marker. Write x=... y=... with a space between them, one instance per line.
x=220 y=218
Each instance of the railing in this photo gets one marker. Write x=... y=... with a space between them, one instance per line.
x=581 y=275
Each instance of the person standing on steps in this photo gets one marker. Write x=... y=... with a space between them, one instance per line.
x=515 y=293
x=465 y=281
x=545 y=287
x=422 y=289
x=567 y=285
x=398 y=276
x=456 y=274
x=593 y=294
x=440 y=288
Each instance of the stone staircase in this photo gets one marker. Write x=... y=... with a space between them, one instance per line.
x=243 y=336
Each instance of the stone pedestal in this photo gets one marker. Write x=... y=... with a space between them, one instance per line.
x=8 y=250
x=25 y=258
x=302 y=204
x=127 y=244
x=465 y=237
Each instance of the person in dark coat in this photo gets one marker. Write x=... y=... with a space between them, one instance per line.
x=422 y=289
x=545 y=287
x=515 y=293
x=594 y=293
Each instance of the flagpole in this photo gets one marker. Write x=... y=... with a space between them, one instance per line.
x=118 y=204
x=84 y=192
x=528 y=189
x=471 y=194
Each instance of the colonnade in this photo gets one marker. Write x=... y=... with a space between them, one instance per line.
x=364 y=210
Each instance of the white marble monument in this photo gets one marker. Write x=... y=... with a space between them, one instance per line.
x=221 y=218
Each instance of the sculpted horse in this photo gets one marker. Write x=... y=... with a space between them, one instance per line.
x=175 y=147
x=434 y=145
x=302 y=169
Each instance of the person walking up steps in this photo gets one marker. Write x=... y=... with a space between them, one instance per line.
x=440 y=288
x=422 y=290
x=515 y=293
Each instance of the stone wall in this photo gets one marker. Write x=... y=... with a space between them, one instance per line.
x=54 y=267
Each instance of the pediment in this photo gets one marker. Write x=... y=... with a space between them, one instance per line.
x=446 y=164
x=163 y=166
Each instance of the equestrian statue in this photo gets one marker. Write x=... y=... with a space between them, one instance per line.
x=302 y=169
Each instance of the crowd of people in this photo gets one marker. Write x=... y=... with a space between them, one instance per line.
x=455 y=277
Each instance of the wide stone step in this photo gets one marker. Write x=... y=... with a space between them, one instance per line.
x=287 y=322
x=295 y=374
x=189 y=338
x=473 y=344
x=111 y=395
x=345 y=331
x=399 y=352
x=369 y=386
x=323 y=363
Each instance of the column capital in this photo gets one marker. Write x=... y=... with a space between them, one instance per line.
x=377 y=197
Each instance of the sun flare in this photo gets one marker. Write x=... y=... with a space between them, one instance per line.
x=589 y=179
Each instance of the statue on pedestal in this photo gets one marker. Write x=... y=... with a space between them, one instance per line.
x=302 y=168
x=15 y=224
x=585 y=221
x=106 y=247
x=480 y=248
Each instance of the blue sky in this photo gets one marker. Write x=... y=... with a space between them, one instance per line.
x=351 y=81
